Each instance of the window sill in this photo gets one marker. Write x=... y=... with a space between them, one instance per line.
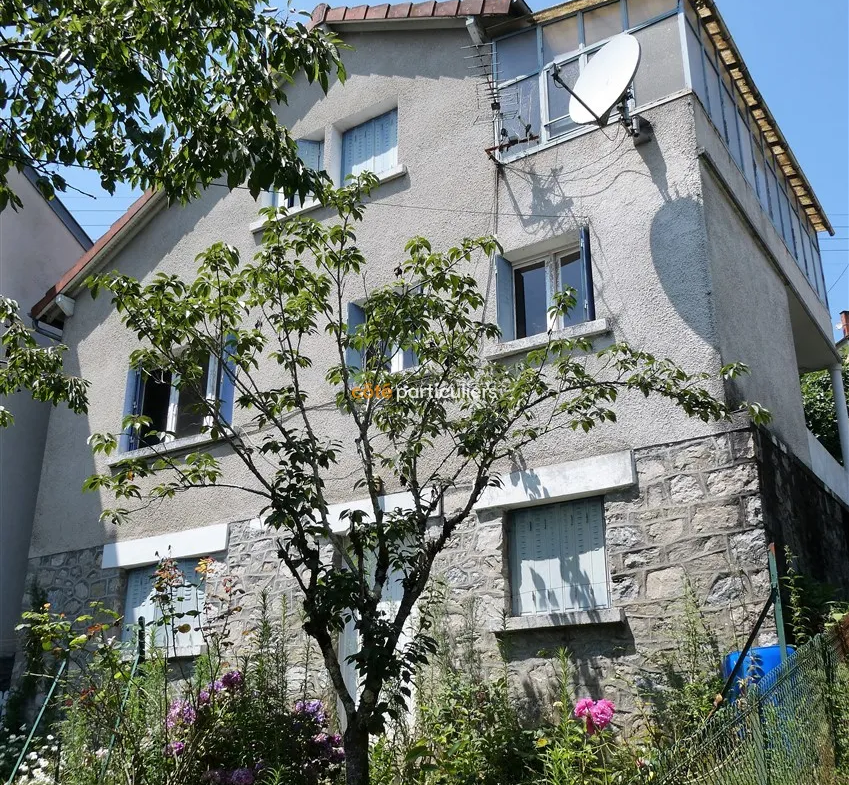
x=168 y=448
x=390 y=174
x=500 y=351
x=553 y=621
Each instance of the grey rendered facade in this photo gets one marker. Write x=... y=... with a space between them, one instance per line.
x=685 y=261
x=38 y=242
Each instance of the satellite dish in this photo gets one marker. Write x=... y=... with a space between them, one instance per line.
x=605 y=80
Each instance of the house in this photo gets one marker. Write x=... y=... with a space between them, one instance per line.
x=699 y=242
x=38 y=242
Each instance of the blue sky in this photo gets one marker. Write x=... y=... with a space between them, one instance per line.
x=798 y=56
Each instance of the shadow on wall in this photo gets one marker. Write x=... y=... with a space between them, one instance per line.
x=593 y=654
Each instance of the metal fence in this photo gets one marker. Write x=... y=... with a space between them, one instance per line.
x=791 y=727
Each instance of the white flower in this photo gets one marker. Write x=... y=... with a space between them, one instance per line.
x=23 y=768
x=50 y=737
x=101 y=753
x=32 y=756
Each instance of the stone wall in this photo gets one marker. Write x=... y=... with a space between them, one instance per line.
x=696 y=515
x=803 y=515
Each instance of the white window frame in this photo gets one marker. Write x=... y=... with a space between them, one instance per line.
x=174 y=400
x=393 y=157
x=349 y=641
x=581 y=54
x=553 y=284
x=179 y=646
x=293 y=201
x=554 y=598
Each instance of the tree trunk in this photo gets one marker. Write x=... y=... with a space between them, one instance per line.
x=355 y=742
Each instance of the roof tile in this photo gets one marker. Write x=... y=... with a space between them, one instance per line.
x=356 y=13
x=318 y=14
x=446 y=8
x=399 y=11
x=496 y=7
x=470 y=7
x=377 y=11
x=422 y=9
x=335 y=14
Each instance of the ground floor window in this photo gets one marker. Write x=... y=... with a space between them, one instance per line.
x=149 y=596
x=557 y=558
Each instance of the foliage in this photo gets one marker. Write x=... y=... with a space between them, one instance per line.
x=26 y=365
x=268 y=311
x=164 y=95
x=820 y=412
x=161 y=722
x=812 y=606
x=681 y=686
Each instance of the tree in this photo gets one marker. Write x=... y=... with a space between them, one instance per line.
x=820 y=411
x=444 y=451
x=162 y=94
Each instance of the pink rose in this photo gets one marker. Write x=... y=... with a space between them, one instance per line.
x=598 y=714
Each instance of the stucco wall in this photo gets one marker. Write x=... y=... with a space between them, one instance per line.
x=437 y=139
x=35 y=249
x=649 y=250
x=753 y=317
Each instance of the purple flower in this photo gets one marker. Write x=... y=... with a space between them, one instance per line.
x=181 y=712
x=217 y=685
x=313 y=709
x=232 y=680
x=241 y=777
x=175 y=748
x=203 y=697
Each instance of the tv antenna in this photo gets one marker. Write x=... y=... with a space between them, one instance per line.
x=605 y=84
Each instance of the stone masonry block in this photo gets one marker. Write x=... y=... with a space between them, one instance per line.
x=668 y=582
x=715 y=516
x=685 y=489
x=742 y=478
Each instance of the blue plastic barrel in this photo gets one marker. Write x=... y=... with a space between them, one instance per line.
x=758 y=663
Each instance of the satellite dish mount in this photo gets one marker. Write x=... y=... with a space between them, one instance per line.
x=605 y=84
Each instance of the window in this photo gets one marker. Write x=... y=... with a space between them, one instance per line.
x=397 y=360
x=524 y=63
x=188 y=597
x=349 y=638
x=557 y=558
x=372 y=146
x=601 y=23
x=524 y=292
x=312 y=154
x=175 y=409
x=739 y=129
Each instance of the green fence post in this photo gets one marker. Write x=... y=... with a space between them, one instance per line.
x=38 y=720
x=775 y=585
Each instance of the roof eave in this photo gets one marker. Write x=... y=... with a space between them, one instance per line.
x=724 y=42
x=119 y=234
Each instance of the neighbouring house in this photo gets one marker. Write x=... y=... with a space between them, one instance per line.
x=38 y=242
x=700 y=243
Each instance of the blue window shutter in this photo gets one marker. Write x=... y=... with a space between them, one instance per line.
x=386 y=141
x=356 y=317
x=227 y=385
x=504 y=302
x=587 y=264
x=132 y=405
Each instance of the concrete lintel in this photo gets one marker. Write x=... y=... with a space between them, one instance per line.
x=562 y=481
x=202 y=541
x=548 y=621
